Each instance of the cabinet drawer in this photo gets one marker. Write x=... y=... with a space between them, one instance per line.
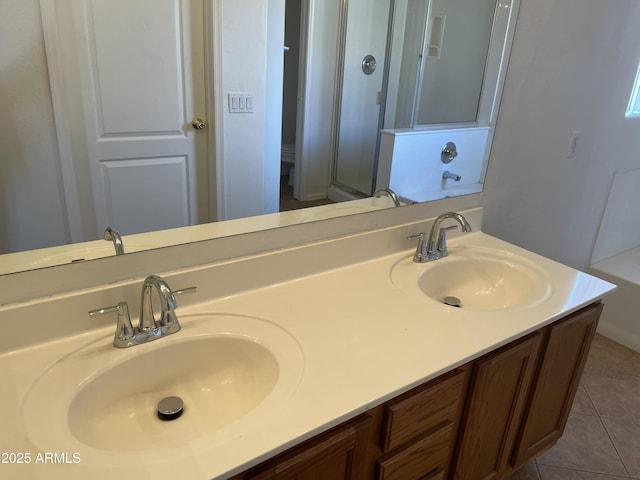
x=423 y=459
x=420 y=412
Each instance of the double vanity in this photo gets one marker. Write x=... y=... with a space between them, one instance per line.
x=333 y=359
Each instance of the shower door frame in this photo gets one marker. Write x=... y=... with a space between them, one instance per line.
x=335 y=137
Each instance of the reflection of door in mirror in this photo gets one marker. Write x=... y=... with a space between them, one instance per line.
x=140 y=79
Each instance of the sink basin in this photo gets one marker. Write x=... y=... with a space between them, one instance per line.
x=476 y=279
x=227 y=370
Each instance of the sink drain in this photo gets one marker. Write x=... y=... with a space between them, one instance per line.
x=170 y=408
x=452 y=302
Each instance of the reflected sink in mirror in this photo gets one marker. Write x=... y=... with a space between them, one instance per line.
x=480 y=279
x=226 y=369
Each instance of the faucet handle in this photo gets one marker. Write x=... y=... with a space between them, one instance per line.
x=184 y=291
x=422 y=252
x=169 y=317
x=124 y=328
x=442 y=238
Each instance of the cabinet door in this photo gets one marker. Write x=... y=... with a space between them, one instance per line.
x=338 y=455
x=499 y=388
x=566 y=353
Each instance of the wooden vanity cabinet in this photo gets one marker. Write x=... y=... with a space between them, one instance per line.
x=497 y=397
x=411 y=437
x=419 y=429
x=341 y=454
x=520 y=397
x=566 y=350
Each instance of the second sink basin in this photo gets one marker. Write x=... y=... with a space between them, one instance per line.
x=225 y=368
x=475 y=279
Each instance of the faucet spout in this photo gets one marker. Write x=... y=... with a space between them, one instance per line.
x=168 y=319
x=112 y=235
x=438 y=236
x=447 y=175
x=388 y=192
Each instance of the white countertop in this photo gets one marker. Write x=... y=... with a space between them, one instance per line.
x=363 y=339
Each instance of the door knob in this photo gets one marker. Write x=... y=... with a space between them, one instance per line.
x=198 y=123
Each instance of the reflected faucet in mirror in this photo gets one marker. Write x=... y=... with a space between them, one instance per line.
x=112 y=235
x=388 y=192
x=447 y=175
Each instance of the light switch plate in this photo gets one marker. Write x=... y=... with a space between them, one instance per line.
x=241 y=102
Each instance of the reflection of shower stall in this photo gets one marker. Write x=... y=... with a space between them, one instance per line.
x=360 y=96
x=427 y=79
x=343 y=101
x=368 y=65
x=334 y=130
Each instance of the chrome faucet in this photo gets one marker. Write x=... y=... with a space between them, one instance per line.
x=447 y=175
x=168 y=319
x=112 y=235
x=435 y=247
x=388 y=192
x=148 y=328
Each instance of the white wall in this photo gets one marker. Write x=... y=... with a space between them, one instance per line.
x=31 y=203
x=620 y=226
x=250 y=163
x=572 y=67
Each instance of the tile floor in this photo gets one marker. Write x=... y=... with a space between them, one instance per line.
x=602 y=438
x=287 y=202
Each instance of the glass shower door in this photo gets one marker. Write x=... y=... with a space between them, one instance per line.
x=365 y=49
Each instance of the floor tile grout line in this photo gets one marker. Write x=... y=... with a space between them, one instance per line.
x=593 y=404
x=538 y=467
x=626 y=470
x=538 y=470
x=604 y=426
x=600 y=417
x=612 y=475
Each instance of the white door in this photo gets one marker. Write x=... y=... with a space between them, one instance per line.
x=140 y=68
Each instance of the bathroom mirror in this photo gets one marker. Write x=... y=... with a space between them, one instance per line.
x=33 y=127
